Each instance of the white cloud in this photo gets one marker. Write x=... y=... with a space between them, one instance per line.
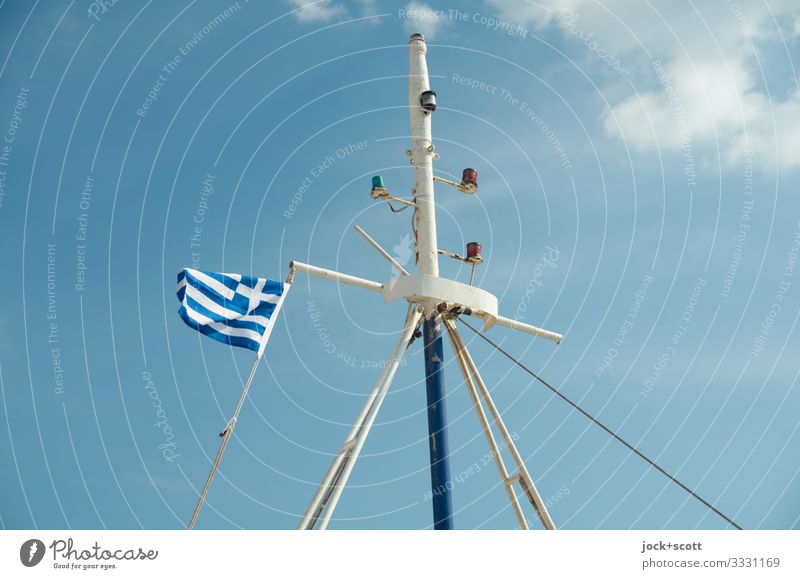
x=419 y=17
x=367 y=8
x=536 y=14
x=711 y=86
x=316 y=11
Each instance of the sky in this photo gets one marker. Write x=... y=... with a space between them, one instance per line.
x=638 y=174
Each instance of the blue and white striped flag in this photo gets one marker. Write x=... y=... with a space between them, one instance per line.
x=234 y=309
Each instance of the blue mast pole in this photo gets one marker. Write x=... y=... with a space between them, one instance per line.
x=441 y=485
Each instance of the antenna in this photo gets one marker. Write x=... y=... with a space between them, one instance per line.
x=433 y=302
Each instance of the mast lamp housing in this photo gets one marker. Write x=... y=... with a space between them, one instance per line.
x=379 y=190
x=427 y=100
x=474 y=255
x=469 y=181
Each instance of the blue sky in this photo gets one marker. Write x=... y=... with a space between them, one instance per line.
x=638 y=173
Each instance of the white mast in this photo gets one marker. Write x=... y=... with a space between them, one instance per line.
x=431 y=299
x=422 y=155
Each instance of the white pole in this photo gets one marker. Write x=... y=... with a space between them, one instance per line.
x=458 y=348
x=422 y=152
x=530 y=488
x=343 y=452
x=309 y=519
x=380 y=250
x=381 y=387
x=336 y=276
x=528 y=329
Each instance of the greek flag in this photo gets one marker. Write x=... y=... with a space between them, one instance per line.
x=234 y=309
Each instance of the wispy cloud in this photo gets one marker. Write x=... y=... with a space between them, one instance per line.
x=699 y=72
x=420 y=17
x=318 y=11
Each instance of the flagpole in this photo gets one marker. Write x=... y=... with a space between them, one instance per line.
x=226 y=436
x=231 y=425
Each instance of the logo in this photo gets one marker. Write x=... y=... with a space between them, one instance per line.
x=32 y=552
x=402 y=253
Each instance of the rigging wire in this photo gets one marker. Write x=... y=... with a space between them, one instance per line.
x=414 y=231
x=389 y=203
x=603 y=426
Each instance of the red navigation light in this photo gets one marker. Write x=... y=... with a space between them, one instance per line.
x=469 y=180
x=470 y=176
x=474 y=252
